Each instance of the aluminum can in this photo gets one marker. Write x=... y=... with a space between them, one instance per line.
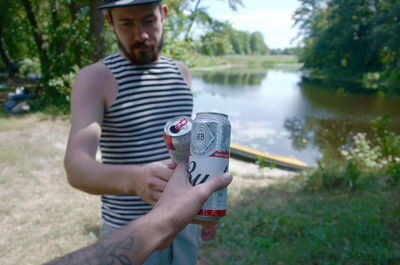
x=209 y=156
x=177 y=133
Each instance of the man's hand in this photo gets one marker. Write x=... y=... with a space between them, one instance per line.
x=181 y=201
x=153 y=179
x=133 y=243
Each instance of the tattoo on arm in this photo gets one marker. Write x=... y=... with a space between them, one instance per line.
x=99 y=253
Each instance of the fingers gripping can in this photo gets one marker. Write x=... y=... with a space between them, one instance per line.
x=177 y=133
x=209 y=156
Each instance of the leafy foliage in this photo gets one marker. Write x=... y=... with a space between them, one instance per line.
x=63 y=84
x=58 y=35
x=223 y=39
x=351 y=39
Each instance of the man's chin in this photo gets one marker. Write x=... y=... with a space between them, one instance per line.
x=142 y=58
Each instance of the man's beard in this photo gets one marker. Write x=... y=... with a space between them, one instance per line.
x=142 y=57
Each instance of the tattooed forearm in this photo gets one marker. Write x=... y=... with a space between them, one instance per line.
x=100 y=253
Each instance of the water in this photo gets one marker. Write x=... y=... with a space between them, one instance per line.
x=277 y=112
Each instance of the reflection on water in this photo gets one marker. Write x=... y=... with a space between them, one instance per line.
x=230 y=83
x=328 y=135
x=235 y=78
x=366 y=106
x=280 y=113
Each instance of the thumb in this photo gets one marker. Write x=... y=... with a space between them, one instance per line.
x=216 y=183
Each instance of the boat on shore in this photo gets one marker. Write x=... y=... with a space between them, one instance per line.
x=248 y=154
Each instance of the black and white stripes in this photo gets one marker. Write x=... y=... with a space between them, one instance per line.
x=132 y=130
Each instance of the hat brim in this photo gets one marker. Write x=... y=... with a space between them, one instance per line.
x=125 y=3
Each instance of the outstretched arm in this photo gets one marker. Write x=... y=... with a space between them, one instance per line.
x=92 y=94
x=132 y=244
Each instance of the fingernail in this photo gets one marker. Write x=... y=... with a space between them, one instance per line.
x=228 y=176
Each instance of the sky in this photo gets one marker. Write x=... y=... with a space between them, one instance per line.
x=272 y=18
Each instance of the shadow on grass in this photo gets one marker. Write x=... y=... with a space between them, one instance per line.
x=93 y=231
x=287 y=225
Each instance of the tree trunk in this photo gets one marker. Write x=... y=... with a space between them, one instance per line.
x=192 y=20
x=73 y=9
x=43 y=55
x=57 y=46
x=3 y=53
x=97 y=30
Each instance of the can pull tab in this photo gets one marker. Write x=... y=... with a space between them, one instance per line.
x=180 y=124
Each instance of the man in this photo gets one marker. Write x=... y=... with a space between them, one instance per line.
x=132 y=244
x=123 y=102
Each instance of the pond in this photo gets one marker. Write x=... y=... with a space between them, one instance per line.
x=281 y=113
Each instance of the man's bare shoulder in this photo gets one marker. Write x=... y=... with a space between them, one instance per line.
x=97 y=72
x=185 y=72
x=182 y=67
x=94 y=77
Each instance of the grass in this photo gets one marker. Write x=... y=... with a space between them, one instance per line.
x=42 y=217
x=284 y=224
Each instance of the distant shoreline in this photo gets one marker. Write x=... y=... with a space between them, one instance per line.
x=209 y=63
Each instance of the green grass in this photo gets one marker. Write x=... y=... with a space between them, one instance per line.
x=285 y=224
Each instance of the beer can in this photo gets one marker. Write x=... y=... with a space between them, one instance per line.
x=209 y=156
x=177 y=138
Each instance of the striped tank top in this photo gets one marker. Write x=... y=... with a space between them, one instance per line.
x=132 y=130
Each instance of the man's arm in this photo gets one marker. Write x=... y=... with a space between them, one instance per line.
x=135 y=242
x=91 y=95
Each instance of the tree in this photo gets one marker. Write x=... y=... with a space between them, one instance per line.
x=182 y=16
x=305 y=15
x=65 y=35
x=96 y=30
x=216 y=42
x=38 y=38
x=244 y=38
x=60 y=33
x=387 y=22
x=201 y=13
x=6 y=6
x=257 y=44
x=354 y=39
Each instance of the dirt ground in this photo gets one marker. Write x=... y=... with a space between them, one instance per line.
x=41 y=215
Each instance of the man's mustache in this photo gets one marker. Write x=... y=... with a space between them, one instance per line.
x=141 y=45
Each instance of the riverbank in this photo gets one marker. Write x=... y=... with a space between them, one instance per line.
x=286 y=62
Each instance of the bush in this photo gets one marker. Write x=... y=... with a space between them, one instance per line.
x=30 y=66
x=54 y=97
x=361 y=159
x=389 y=145
x=63 y=84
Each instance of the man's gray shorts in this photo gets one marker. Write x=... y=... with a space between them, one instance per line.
x=183 y=250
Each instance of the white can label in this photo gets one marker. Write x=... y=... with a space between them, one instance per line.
x=209 y=147
x=203 y=169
